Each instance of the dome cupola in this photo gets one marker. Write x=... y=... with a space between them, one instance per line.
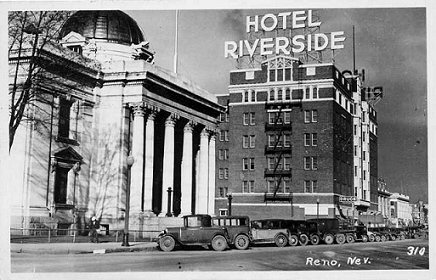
x=105 y=36
x=109 y=26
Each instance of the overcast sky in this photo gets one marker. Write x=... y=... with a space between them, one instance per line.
x=390 y=46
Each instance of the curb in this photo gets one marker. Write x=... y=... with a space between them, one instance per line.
x=94 y=251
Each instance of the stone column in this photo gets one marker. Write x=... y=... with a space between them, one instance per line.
x=149 y=159
x=168 y=162
x=211 y=195
x=186 y=174
x=137 y=171
x=203 y=180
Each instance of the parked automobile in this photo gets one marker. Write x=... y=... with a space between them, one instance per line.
x=197 y=230
x=335 y=229
x=270 y=231
x=238 y=229
x=302 y=232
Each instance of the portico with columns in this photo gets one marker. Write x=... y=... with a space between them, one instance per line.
x=170 y=132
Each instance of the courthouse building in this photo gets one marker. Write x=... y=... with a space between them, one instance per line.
x=297 y=141
x=100 y=99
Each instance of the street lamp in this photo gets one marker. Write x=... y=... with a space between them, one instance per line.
x=130 y=161
x=230 y=197
x=317 y=209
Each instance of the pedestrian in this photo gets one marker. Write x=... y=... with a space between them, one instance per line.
x=94 y=226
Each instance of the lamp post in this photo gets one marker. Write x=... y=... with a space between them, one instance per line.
x=169 y=203
x=317 y=209
x=130 y=161
x=229 y=198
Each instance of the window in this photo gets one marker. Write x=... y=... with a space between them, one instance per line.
x=221 y=173
x=310 y=139
x=307 y=116
x=253 y=96
x=247 y=186
x=245 y=96
x=310 y=186
x=271 y=163
x=271 y=140
x=223 y=154
x=287 y=117
x=307 y=93
x=286 y=140
x=271 y=95
x=314 y=163
x=314 y=116
x=245 y=164
x=363 y=117
x=279 y=94
x=76 y=48
x=245 y=118
x=252 y=119
x=252 y=139
x=355 y=150
x=287 y=163
x=364 y=155
x=307 y=163
x=286 y=186
x=248 y=164
x=306 y=139
x=288 y=94
x=315 y=92
x=223 y=191
x=363 y=136
x=245 y=141
x=364 y=174
x=314 y=139
x=64 y=117
x=226 y=173
x=310 y=163
x=307 y=186
x=224 y=135
x=223 y=212
x=355 y=171
x=355 y=129
x=272 y=118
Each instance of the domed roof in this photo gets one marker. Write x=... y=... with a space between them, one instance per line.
x=112 y=26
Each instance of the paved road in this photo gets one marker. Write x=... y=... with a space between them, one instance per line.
x=357 y=256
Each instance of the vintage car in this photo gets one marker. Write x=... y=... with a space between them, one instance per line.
x=197 y=230
x=335 y=229
x=238 y=229
x=302 y=232
x=270 y=231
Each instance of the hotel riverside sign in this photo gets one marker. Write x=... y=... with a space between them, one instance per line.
x=284 y=45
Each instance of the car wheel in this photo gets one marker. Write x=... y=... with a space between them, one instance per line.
x=383 y=238
x=377 y=238
x=242 y=242
x=293 y=240
x=371 y=238
x=364 y=238
x=304 y=239
x=314 y=239
x=167 y=243
x=329 y=239
x=393 y=237
x=219 y=243
x=350 y=238
x=280 y=240
x=340 y=238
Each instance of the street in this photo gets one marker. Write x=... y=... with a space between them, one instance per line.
x=404 y=254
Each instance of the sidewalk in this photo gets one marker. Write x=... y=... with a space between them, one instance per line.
x=81 y=248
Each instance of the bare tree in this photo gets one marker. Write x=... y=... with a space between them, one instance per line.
x=29 y=32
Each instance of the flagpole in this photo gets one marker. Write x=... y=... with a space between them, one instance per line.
x=176 y=42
